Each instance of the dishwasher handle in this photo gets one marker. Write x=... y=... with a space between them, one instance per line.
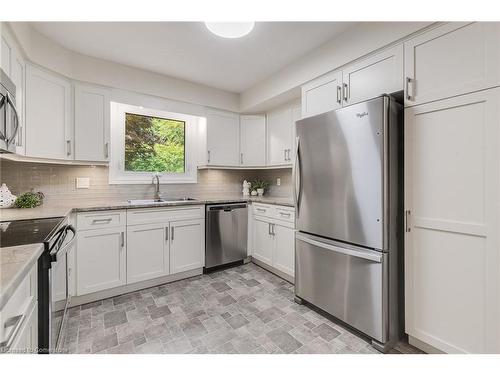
x=227 y=207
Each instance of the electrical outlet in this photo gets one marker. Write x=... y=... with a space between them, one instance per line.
x=278 y=181
x=82 y=182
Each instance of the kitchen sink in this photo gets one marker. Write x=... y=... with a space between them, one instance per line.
x=161 y=200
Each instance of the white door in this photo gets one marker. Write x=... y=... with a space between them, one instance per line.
x=187 y=245
x=279 y=137
x=147 y=252
x=91 y=123
x=284 y=250
x=101 y=259
x=451 y=241
x=253 y=141
x=223 y=139
x=48 y=119
x=450 y=60
x=17 y=75
x=374 y=76
x=27 y=337
x=262 y=241
x=322 y=94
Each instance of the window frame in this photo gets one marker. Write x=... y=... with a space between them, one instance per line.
x=117 y=172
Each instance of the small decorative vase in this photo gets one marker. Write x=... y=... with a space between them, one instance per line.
x=253 y=193
x=260 y=192
x=7 y=199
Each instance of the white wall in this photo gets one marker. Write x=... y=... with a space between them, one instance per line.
x=351 y=45
x=45 y=52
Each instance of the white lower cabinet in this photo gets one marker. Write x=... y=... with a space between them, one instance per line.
x=101 y=259
x=26 y=340
x=273 y=239
x=187 y=245
x=147 y=251
x=452 y=240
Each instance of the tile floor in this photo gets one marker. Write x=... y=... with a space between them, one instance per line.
x=238 y=310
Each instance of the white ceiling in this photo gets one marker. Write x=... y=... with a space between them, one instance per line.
x=187 y=50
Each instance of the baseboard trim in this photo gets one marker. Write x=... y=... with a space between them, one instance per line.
x=427 y=348
x=108 y=293
x=277 y=272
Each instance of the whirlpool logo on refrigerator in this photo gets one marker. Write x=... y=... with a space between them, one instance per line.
x=362 y=114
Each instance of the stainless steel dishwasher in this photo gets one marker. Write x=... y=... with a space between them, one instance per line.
x=226 y=234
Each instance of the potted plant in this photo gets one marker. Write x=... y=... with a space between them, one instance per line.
x=260 y=186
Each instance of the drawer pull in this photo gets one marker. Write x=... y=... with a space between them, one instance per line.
x=101 y=221
x=15 y=322
x=261 y=209
x=285 y=214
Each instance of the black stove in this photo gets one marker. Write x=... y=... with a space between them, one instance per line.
x=23 y=232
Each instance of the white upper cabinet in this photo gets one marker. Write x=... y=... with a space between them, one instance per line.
x=376 y=75
x=450 y=60
x=452 y=239
x=6 y=56
x=322 y=94
x=223 y=139
x=279 y=136
x=49 y=131
x=91 y=123
x=253 y=141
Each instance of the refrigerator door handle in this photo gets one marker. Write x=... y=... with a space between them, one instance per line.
x=370 y=255
x=297 y=191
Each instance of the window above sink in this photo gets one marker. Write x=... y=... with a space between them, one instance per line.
x=145 y=141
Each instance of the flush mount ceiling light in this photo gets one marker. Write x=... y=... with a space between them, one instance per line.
x=230 y=29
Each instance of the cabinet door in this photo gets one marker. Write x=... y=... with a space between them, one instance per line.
x=284 y=250
x=374 y=76
x=322 y=94
x=6 y=56
x=27 y=338
x=91 y=123
x=187 y=245
x=223 y=139
x=48 y=120
x=147 y=252
x=253 y=141
x=451 y=241
x=296 y=115
x=262 y=241
x=279 y=137
x=450 y=60
x=17 y=74
x=101 y=259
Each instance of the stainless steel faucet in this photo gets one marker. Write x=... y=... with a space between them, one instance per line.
x=157 y=196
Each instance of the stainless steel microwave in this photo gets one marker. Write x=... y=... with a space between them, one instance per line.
x=9 y=119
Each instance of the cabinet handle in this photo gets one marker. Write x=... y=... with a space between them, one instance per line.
x=68 y=147
x=15 y=322
x=273 y=227
x=101 y=221
x=241 y=158
x=285 y=214
x=172 y=235
x=208 y=152
x=407 y=87
x=284 y=151
x=122 y=236
x=289 y=157
x=106 y=150
x=407 y=221
x=261 y=209
x=166 y=233
x=269 y=229
x=339 y=94
x=345 y=92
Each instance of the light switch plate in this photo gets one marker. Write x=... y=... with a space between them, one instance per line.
x=82 y=182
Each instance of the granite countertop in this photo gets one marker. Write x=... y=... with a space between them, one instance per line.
x=15 y=263
x=88 y=205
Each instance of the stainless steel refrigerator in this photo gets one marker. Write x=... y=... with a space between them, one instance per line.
x=346 y=180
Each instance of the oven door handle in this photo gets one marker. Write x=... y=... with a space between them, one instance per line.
x=70 y=228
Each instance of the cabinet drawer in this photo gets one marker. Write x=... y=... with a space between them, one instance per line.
x=99 y=220
x=17 y=308
x=161 y=215
x=285 y=214
x=263 y=210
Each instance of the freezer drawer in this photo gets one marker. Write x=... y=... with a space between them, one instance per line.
x=226 y=234
x=348 y=282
